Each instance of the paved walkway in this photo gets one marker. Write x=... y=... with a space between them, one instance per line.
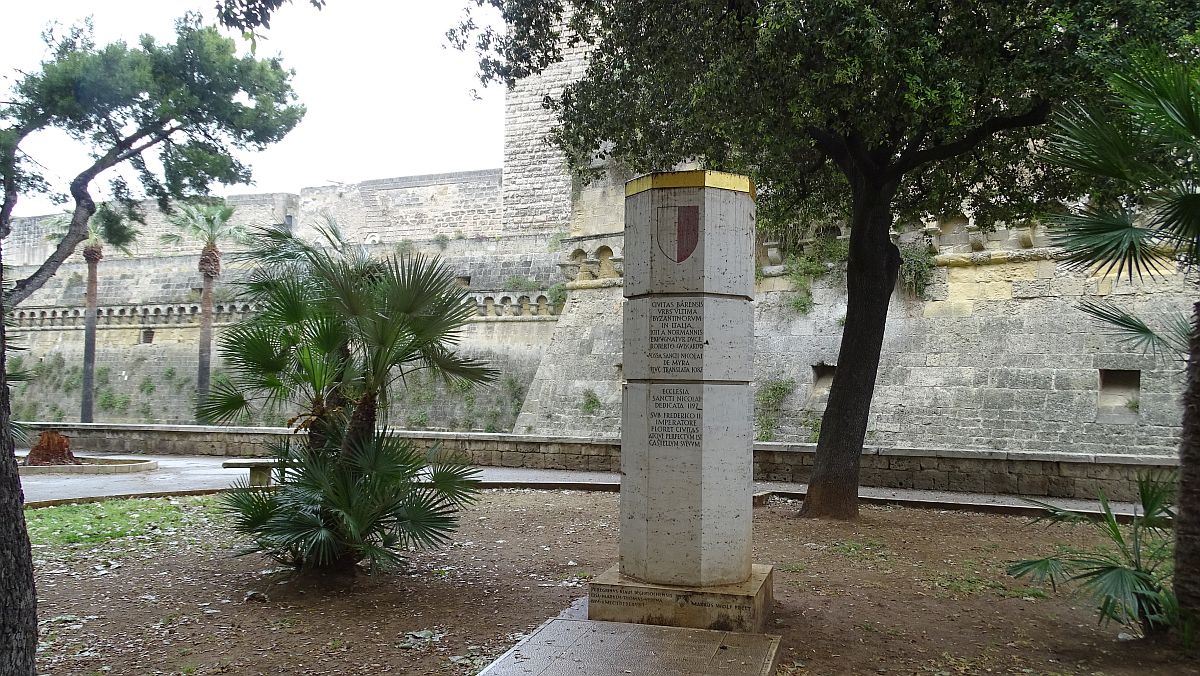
x=180 y=473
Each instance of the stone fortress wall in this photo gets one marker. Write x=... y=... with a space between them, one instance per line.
x=998 y=359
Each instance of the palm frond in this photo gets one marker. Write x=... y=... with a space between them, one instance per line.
x=1132 y=330
x=1092 y=145
x=226 y=402
x=1156 y=498
x=1108 y=240
x=1176 y=215
x=1052 y=570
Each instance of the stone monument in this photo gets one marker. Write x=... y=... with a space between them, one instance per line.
x=687 y=417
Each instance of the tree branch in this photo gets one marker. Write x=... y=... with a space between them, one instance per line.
x=834 y=146
x=85 y=207
x=9 y=169
x=913 y=158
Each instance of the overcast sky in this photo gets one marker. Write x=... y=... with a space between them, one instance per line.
x=385 y=96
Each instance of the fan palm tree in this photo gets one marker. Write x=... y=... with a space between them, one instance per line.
x=1146 y=219
x=209 y=223
x=334 y=332
x=106 y=226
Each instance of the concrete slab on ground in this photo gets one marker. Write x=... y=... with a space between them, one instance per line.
x=587 y=647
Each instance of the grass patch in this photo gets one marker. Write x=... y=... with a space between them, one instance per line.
x=103 y=521
x=864 y=550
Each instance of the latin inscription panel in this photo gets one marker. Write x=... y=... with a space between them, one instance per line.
x=676 y=345
x=688 y=338
x=676 y=416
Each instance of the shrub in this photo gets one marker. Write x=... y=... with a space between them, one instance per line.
x=916 y=267
x=147 y=386
x=332 y=511
x=557 y=295
x=591 y=402
x=338 y=329
x=520 y=284
x=1129 y=577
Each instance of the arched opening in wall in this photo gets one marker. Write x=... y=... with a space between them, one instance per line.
x=822 y=379
x=605 y=256
x=1119 y=400
x=578 y=256
x=147 y=336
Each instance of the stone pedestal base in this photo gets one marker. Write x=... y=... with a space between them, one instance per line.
x=744 y=607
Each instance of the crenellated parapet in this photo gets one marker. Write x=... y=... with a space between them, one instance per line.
x=593 y=257
x=514 y=305
x=128 y=316
x=489 y=305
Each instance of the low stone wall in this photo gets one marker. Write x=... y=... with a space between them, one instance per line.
x=1064 y=475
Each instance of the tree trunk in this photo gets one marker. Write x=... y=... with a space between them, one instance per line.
x=204 y=364
x=870 y=280
x=92 y=254
x=362 y=423
x=18 y=600
x=1187 y=523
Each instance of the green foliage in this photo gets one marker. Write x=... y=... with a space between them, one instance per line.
x=950 y=100
x=557 y=295
x=1141 y=148
x=169 y=374
x=337 y=324
x=56 y=414
x=862 y=550
x=405 y=247
x=492 y=421
x=520 y=284
x=180 y=113
x=147 y=386
x=812 y=422
x=1171 y=341
x=442 y=241
x=49 y=369
x=591 y=403
x=820 y=257
x=337 y=329
x=208 y=222
x=1129 y=577
x=109 y=400
x=103 y=375
x=555 y=241
x=916 y=267
x=515 y=391
x=26 y=410
x=72 y=380
x=768 y=406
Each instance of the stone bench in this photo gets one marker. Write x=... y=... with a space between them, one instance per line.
x=260 y=469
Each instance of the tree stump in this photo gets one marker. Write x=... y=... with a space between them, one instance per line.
x=51 y=448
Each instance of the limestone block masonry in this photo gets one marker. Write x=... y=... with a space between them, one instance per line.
x=687 y=410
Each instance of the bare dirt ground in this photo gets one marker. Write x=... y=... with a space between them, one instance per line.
x=902 y=591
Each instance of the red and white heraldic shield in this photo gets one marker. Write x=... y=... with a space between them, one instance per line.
x=678 y=231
